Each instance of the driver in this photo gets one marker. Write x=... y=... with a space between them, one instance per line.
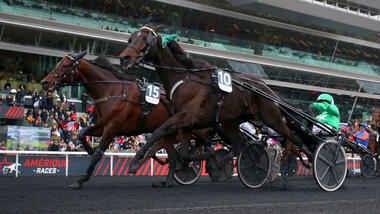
x=330 y=112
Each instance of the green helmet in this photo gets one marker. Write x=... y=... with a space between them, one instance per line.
x=326 y=97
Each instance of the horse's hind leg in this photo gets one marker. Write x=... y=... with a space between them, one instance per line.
x=104 y=143
x=171 y=126
x=291 y=148
x=271 y=116
x=168 y=144
x=89 y=131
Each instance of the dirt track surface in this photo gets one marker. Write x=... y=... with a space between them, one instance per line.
x=135 y=195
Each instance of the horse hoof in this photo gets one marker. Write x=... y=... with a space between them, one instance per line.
x=76 y=185
x=134 y=166
x=161 y=185
x=133 y=171
x=307 y=165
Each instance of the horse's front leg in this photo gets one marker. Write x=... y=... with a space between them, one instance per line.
x=103 y=145
x=89 y=131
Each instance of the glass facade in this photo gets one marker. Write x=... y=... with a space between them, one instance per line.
x=59 y=41
x=218 y=32
x=29 y=69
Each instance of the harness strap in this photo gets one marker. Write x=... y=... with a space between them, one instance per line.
x=176 y=85
x=105 y=99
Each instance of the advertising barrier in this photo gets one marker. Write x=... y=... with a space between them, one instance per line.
x=42 y=163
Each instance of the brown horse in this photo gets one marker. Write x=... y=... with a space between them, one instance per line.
x=118 y=107
x=196 y=101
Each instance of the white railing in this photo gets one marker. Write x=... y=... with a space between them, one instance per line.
x=66 y=154
x=109 y=154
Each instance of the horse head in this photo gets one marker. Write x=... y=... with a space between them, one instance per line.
x=140 y=46
x=64 y=72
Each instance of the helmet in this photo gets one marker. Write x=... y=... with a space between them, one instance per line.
x=363 y=124
x=326 y=97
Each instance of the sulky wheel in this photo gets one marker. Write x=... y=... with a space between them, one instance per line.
x=253 y=165
x=218 y=167
x=368 y=166
x=330 y=165
x=289 y=167
x=187 y=172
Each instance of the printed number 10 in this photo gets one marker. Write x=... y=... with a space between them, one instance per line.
x=224 y=78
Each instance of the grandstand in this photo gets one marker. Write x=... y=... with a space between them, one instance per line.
x=298 y=59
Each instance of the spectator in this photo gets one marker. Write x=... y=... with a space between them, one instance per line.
x=83 y=121
x=73 y=115
x=43 y=115
x=7 y=89
x=50 y=120
x=7 y=85
x=1 y=100
x=75 y=140
x=20 y=97
x=30 y=119
x=56 y=119
x=53 y=146
x=9 y=100
x=55 y=135
x=361 y=136
x=44 y=101
x=49 y=101
x=3 y=146
x=67 y=134
x=62 y=146
x=72 y=107
x=71 y=146
x=54 y=97
x=61 y=112
x=63 y=99
x=63 y=121
x=37 y=121
x=22 y=87
x=84 y=100
x=115 y=147
x=36 y=99
x=53 y=112
x=344 y=130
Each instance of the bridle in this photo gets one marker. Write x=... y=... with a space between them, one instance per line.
x=151 y=40
x=73 y=70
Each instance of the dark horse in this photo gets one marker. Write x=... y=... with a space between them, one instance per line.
x=196 y=101
x=118 y=107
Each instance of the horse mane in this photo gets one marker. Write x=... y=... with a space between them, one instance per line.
x=185 y=59
x=104 y=64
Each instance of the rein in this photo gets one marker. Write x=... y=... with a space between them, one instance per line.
x=176 y=69
x=89 y=82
